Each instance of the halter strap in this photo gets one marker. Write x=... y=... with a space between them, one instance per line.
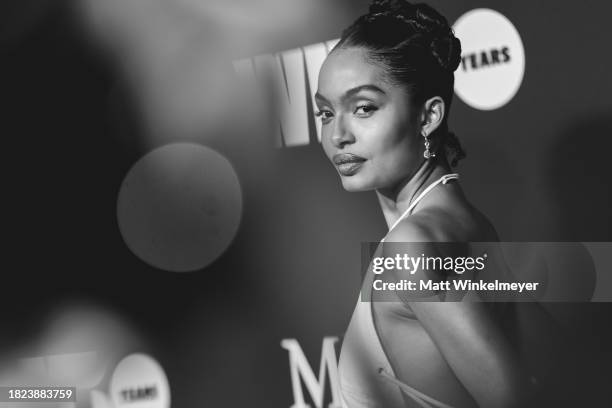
x=421 y=399
x=444 y=179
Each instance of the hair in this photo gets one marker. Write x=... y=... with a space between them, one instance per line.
x=417 y=49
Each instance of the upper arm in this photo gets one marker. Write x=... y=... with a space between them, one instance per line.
x=475 y=348
x=466 y=333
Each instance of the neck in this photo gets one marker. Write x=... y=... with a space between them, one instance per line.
x=395 y=200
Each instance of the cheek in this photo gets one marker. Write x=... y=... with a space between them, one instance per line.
x=387 y=136
x=393 y=147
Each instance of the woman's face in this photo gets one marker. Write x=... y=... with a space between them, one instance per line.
x=369 y=127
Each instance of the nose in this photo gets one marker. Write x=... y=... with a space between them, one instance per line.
x=341 y=135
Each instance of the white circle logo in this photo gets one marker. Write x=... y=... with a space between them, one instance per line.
x=139 y=382
x=492 y=59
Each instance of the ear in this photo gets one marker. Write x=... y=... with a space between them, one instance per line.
x=432 y=115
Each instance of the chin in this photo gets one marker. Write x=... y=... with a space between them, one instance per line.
x=355 y=184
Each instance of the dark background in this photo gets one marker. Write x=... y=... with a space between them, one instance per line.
x=538 y=167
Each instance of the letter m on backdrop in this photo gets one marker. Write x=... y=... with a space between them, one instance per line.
x=300 y=369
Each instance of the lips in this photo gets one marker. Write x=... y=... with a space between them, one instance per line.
x=347 y=163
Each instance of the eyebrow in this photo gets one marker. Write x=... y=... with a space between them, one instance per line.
x=352 y=92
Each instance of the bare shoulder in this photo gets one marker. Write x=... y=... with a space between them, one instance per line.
x=454 y=223
x=415 y=228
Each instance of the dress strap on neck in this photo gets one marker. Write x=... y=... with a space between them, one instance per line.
x=448 y=177
x=444 y=179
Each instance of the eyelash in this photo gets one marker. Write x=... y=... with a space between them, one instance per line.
x=368 y=110
x=320 y=113
x=371 y=108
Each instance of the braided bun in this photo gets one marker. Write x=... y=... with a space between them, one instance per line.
x=427 y=23
x=454 y=150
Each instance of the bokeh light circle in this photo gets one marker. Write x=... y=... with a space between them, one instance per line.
x=179 y=207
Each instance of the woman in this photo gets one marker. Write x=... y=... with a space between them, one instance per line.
x=383 y=97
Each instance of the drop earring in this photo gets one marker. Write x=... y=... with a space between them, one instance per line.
x=428 y=154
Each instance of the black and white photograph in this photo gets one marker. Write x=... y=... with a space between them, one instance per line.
x=306 y=204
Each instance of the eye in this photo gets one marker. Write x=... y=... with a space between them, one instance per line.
x=364 y=111
x=325 y=115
